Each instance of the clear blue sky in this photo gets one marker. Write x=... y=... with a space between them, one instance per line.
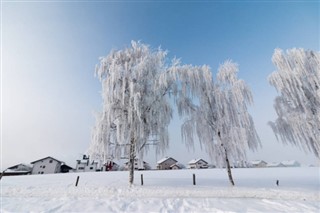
x=50 y=49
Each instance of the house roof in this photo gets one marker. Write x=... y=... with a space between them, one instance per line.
x=66 y=166
x=197 y=160
x=12 y=167
x=46 y=158
x=113 y=163
x=257 y=161
x=165 y=159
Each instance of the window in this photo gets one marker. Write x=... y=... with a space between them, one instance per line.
x=50 y=161
x=91 y=168
x=80 y=168
x=43 y=166
x=41 y=172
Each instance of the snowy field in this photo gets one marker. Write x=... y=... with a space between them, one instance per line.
x=166 y=191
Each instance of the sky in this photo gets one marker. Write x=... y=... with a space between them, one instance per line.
x=49 y=50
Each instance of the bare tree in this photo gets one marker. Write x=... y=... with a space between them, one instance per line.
x=297 y=79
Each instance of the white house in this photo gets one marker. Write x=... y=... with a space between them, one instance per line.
x=291 y=163
x=138 y=165
x=47 y=165
x=198 y=164
x=19 y=169
x=85 y=165
x=177 y=166
x=166 y=163
x=258 y=164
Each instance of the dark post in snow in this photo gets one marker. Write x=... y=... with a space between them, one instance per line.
x=77 y=181
x=2 y=174
x=194 y=179
x=141 y=179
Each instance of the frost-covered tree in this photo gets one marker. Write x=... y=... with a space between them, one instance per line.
x=221 y=119
x=136 y=85
x=297 y=79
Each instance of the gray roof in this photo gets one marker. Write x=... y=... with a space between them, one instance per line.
x=46 y=158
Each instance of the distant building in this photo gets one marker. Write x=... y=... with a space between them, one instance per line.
x=177 y=166
x=19 y=169
x=241 y=164
x=65 y=168
x=138 y=165
x=47 y=165
x=166 y=163
x=110 y=166
x=291 y=163
x=85 y=165
x=258 y=164
x=274 y=164
x=198 y=164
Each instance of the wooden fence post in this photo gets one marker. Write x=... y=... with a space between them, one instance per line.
x=194 y=179
x=77 y=181
x=141 y=179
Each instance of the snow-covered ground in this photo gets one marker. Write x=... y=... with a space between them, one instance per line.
x=166 y=191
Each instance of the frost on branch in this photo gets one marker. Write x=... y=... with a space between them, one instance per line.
x=297 y=79
x=136 y=86
x=221 y=119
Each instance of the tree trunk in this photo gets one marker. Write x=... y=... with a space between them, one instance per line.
x=131 y=161
x=229 y=169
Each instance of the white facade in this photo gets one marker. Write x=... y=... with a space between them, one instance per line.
x=46 y=165
x=198 y=164
x=86 y=166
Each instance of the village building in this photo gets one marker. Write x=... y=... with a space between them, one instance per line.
x=65 y=168
x=258 y=164
x=198 y=164
x=177 y=166
x=110 y=166
x=166 y=163
x=274 y=164
x=138 y=165
x=19 y=169
x=85 y=165
x=291 y=163
x=47 y=165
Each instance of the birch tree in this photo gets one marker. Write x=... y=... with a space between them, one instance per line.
x=221 y=119
x=136 y=85
x=297 y=80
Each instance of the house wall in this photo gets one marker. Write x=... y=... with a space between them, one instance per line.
x=198 y=165
x=46 y=166
x=166 y=164
x=83 y=167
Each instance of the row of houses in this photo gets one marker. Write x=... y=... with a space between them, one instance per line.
x=49 y=165
x=263 y=164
